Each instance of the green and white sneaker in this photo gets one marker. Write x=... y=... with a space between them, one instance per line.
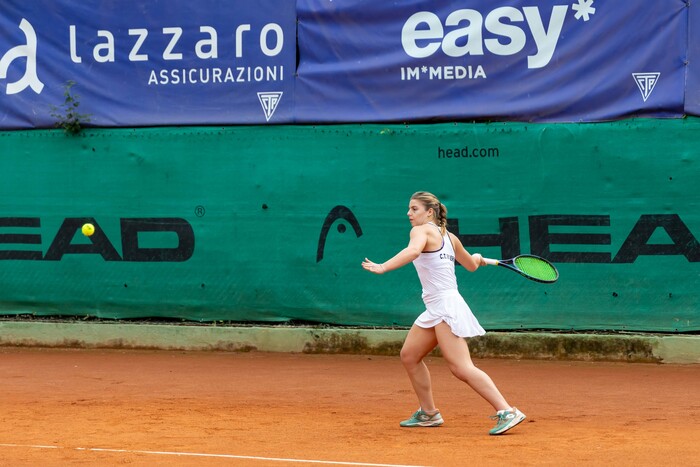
x=505 y=420
x=421 y=418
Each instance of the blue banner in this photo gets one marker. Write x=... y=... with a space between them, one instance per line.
x=554 y=60
x=137 y=63
x=217 y=62
x=692 y=96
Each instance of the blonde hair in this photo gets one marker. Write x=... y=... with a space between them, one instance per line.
x=429 y=200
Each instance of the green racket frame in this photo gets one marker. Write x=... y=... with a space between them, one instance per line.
x=529 y=266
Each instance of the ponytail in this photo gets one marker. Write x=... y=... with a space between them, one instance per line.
x=441 y=215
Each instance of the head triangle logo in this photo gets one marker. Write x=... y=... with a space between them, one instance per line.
x=269 y=102
x=646 y=82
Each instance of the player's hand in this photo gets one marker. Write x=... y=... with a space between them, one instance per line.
x=479 y=259
x=373 y=267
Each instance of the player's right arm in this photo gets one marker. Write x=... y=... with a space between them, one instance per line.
x=466 y=259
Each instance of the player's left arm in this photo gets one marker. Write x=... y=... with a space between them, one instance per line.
x=416 y=244
x=466 y=259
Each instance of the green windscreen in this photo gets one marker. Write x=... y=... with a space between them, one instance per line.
x=537 y=268
x=269 y=224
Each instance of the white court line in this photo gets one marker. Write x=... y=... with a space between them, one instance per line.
x=197 y=454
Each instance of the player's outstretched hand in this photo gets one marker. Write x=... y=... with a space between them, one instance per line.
x=373 y=267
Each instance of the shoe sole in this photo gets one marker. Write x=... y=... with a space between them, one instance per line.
x=513 y=424
x=423 y=424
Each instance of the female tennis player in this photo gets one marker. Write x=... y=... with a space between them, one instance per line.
x=447 y=320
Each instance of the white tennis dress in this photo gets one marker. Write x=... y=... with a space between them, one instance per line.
x=443 y=302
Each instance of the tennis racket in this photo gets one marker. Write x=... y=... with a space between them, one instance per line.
x=530 y=266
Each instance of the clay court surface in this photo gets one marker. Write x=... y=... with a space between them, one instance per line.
x=115 y=407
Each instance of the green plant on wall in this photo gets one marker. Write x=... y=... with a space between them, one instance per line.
x=67 y=115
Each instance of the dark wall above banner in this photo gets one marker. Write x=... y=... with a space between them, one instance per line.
x=214 y=62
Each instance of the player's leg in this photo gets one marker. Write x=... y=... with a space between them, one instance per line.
x=455 y=351
x=419 y=343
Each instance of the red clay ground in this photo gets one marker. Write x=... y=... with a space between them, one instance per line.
x=99 y=407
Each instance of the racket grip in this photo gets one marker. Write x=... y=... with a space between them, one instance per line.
x=492 y=262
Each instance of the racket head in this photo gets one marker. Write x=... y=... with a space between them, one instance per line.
x=536 y=268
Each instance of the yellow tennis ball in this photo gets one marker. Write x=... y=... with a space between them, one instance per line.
x=88 y=229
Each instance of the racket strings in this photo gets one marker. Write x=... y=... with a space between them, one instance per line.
x=537 y=268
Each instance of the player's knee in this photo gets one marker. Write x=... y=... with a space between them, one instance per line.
x=409 y=358
x=458 y=373
x=462 y=372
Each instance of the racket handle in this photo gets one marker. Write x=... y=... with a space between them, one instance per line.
x=492 y=262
